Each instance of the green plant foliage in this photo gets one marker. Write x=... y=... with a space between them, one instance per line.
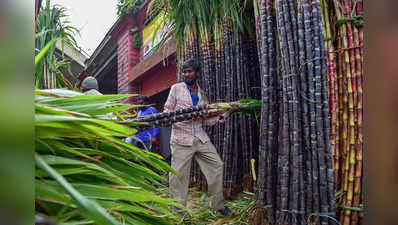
x=137 y=41
x=86 y=172
x=201 y=213
x=189 y=18
x=52 y=26
x=251 y=106
x=129 y=7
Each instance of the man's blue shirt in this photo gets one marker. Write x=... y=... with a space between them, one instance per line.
x=147 y=135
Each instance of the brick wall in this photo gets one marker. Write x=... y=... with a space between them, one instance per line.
x=128 y=57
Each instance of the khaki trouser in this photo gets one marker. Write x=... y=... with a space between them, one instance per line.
x=210 y=163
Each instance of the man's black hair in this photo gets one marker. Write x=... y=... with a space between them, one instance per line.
x=191 y=63
x=144 y=98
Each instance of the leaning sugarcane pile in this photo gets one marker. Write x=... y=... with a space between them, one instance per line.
x=295 y=173
x=343 y=22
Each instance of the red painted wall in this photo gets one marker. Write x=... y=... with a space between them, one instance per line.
x=159 y=80
x=128 y=57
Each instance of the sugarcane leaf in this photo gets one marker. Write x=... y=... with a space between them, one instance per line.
x=109 y=193
x=39 y=108
x=94 y=211
x=56 y=93
x=135 y=170
x=49 y=193
x=78 y=222
x=61 y=161
x=44 y=51
x=67 y=171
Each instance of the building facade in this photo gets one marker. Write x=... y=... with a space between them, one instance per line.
x=122 y=65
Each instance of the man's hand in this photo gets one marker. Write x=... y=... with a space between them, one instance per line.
x=154 y=140
x=233 y=109
x=204 y=106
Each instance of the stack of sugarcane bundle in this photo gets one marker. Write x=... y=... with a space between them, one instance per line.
x=295 y=182
x=309 y=59
x=266 y=45
x=343 y=27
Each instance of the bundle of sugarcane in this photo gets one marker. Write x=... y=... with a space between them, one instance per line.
x=267 y=51
x=166 y=119
x=295 y=182
x=344 y=21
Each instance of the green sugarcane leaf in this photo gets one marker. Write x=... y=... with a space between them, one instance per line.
x=141 y=219
x=136 y=170
x=149 y=219
x=86 y=222
x=94 y=211
x=46 y=192
x=44 y=51
x=60 y=161
x=53 y=133
x=44 y=109
x=42 y=118
x=123 y=207
x=131 y=172
x=88 y=99
x=68 y=171
x=113 y=109
x=51 y=93
x=110 y=193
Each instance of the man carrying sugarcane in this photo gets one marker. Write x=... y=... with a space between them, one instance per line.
x=147 y=137
x=189 y=141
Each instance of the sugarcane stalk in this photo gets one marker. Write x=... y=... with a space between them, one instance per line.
x=356 y=46
x=227 y=145
x=312 y=113
x=273 y=121
x=359 y=144
x=260 y=10
x=290 y=25
x=305 y=111
x=327 y=124
x=333 y=88
x=322 y=147
x=350 y=160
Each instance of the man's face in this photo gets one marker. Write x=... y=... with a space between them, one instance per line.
x=140 y=102
x=189 y=74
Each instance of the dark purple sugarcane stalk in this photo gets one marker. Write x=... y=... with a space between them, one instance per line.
x=243 y=129
x=297 y=190
x=321 y=150
x=326 y=119
x=305 y=113
x=263 y=138
x=293 y=102
x=228 y=125
x=284 y=155
x=284 y=163
x=275 y=107
x=310 y=96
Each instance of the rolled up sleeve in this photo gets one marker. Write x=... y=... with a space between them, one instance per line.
x=171 y=100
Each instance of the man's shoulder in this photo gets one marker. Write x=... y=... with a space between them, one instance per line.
x=152 y=109
x=178 y=85
x=92 y=92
